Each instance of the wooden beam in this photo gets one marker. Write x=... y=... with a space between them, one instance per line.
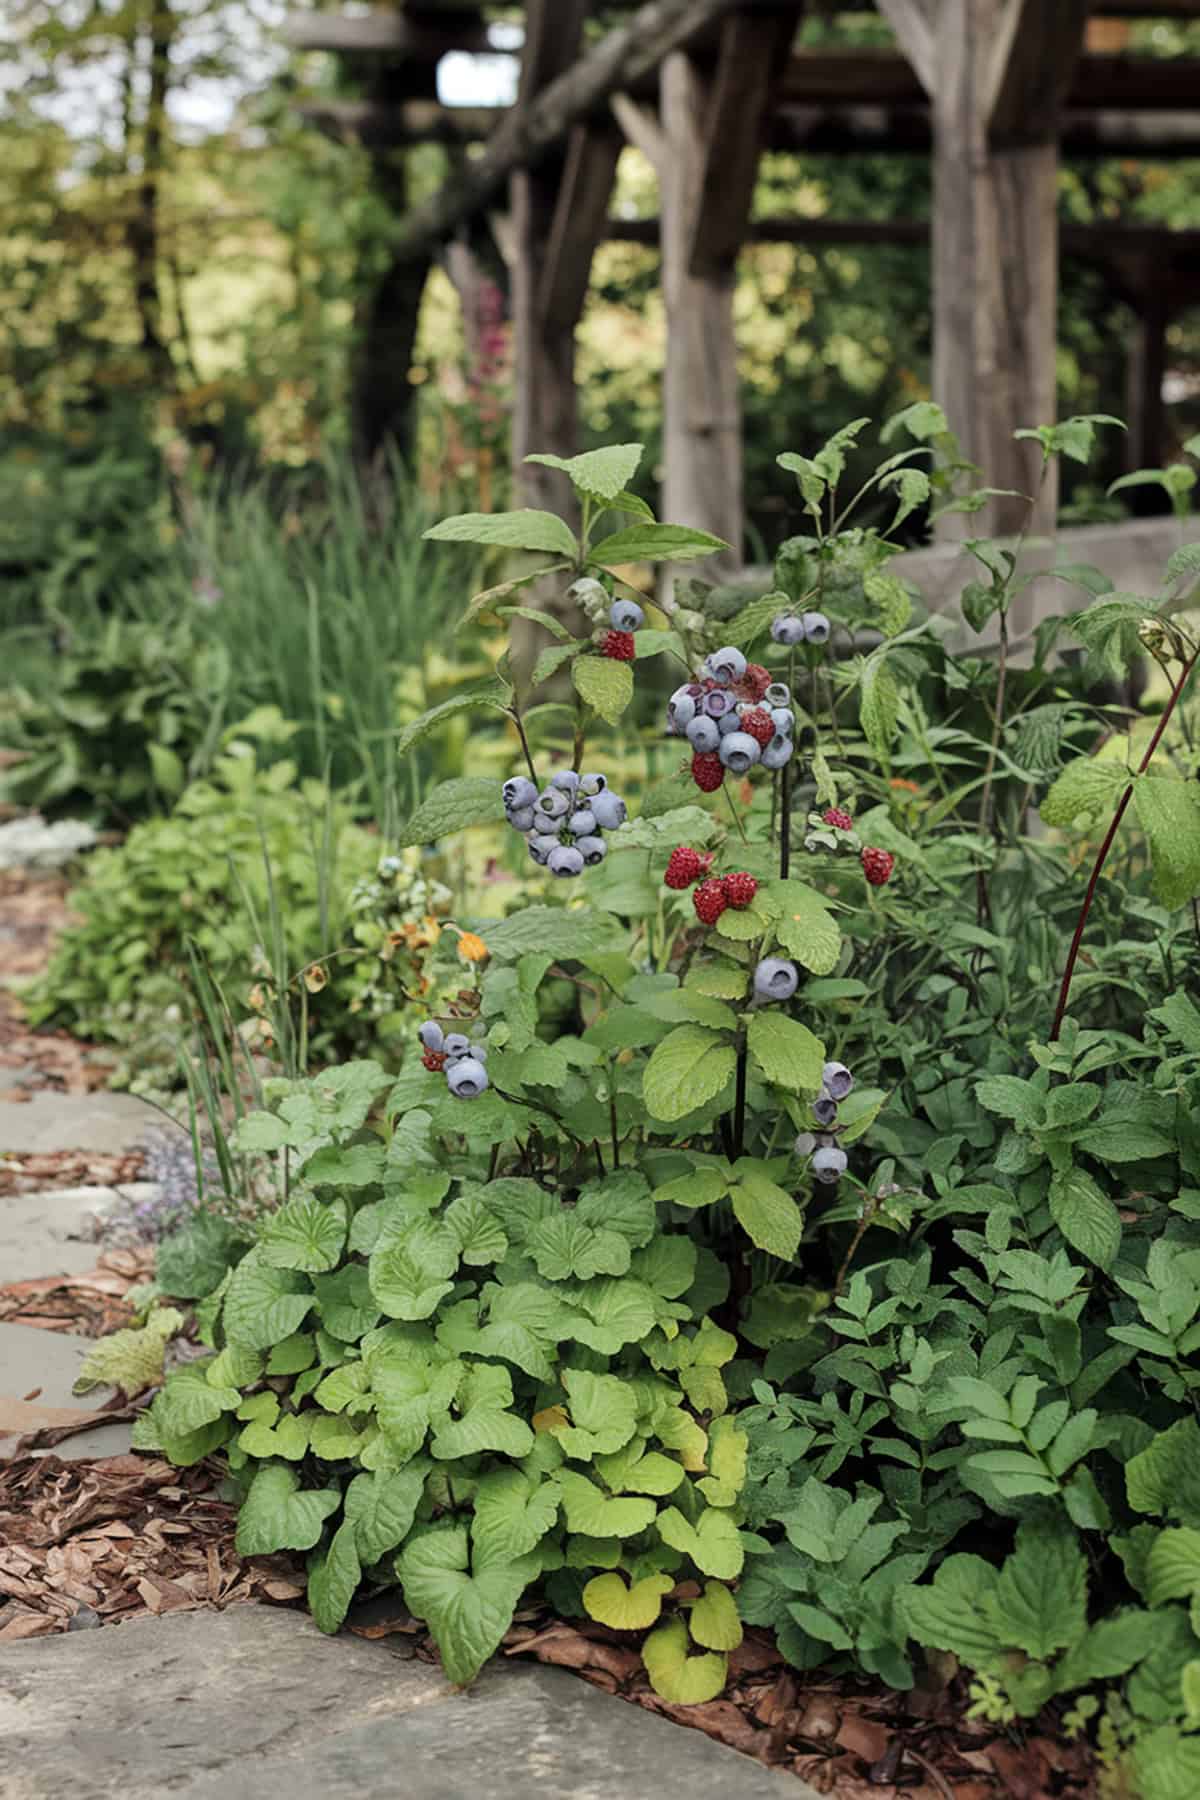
x=640 y=127
x=1031 y=68
x=379 y=126
x=912 y=22
x=387 y=34
x=702 y=418
x=577 y=226
x=752 y=52
x=528 y=133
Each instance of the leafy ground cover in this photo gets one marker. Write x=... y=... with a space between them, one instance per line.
x=791 y=1232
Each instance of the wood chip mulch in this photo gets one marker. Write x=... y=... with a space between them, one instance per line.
x=34 y=908
x=121 y=1537
x=88 y=1305
x=39 y=1171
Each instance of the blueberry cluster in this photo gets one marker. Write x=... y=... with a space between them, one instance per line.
x=454 y=1054
x=563 y=824
x=800 y=628
x=829 y=1160
x=735 y=713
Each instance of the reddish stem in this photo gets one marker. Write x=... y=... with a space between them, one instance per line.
x=1064 y=991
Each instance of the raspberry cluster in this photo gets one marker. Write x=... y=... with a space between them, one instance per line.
x=800 y=628
x=460 y=1058
x=829 y=1160
x=733 y=716
x=624 y=617
x=563 y=825
x=713 y=896
x=877 y=865
x=684 y=866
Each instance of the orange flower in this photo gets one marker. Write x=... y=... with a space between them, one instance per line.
x=471 y=948
x=907 y=787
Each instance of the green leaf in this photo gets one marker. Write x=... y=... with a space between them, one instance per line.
x=603 y=1410
x=1110 y=1648
x=486 y=1423
x=189 y=1401
x=1169 y=814
x=785 y=1050
x=130 y=1360
x=887 y=593
x=768 y=1215
x=1012 y=1098
x=192 y=1262
x=264 y=1305
x=1039 y=1600
x=1086 y=1217
x=604 y=684
x=951 y=1613
x=714 y=1619
x=348 y=1165
x=713 y=1543
x=1085 y=793
x=1173 y=1566
x=654 y=543
x=382 y=1506
x=552 y=931
x=604 y=473
x=550 y=660
x=878 y=704
x=276 y=1515
x=523 y=530
x=514 y=1511
x=333 y=1579
x=755 y=618
x=489 y=694
x=1164 y=1478
x=305 y=1234
x=410 y=1275
x=681 y=1679
x=806 y=928
x=608 y=1599
x=453 y=806
x=689 y=1068
x=590 y=1511
x=564 y=1247
x=467 y=1610
x=346 y=1303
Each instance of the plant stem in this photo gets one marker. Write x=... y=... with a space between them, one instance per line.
x=1064 y=992
x=785 y=820
x=739 y=1098
x=737 y=817
x=983 y=907
x=870 y=1208
x=515 y=716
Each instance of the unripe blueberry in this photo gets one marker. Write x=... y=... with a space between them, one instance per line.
x=816 y=628
x=716 y=703
x=784 y=720
x=703 y=734
x=565 y=860
x=467 y=1079
x=837 y=1080
x=554 y=803
x=739 y=751
x=775 y=978
x=456 y=1045
x=787 y=629
x=609 y=810
x=518 y=792
x=778 y=753
x=805 y=1144
x=829 y=1164
x=778 y=694
x=479 y=1050
x=431 y=1035
x=522 y=819
x=540 y=848
x=625 y=615
x=681 y=709
x=728 y=665
x=825 y=1110
x=566 y=779
x=592 y=784
x=582 y=822
x=592 y=849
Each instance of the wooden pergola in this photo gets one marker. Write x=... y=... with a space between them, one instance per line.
x=994 y=90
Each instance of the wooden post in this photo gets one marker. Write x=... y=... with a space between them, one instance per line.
x=711 y=137
x=999 y=70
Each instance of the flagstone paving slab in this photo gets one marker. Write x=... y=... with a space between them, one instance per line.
x=50 y=1233
x=254 y=1702
x=101 y=1122
x=32 y=1359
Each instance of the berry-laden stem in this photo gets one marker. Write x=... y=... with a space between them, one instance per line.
x=785 y=820
x=1064 y=992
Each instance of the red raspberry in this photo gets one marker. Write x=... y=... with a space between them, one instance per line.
x=740 y=889
x=709 y=901
x=619 y=645
x=755 y=681
x=435 y=1061
x=708 y=771
x=878 y=866
x=683 y=867
x=834 y=815
x=759 y=724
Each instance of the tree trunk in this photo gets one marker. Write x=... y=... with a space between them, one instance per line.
x=143 y=234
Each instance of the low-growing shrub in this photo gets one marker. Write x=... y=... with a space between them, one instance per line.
x=615 y=1298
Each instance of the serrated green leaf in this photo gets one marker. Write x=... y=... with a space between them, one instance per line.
x=526 y=529
x=878 y=704
x=514 y=1511
x=1039 y=1600
x=604 y=473
x=409 y=1276
x=277 y=1515
x=805 y=927
x=264 y=1305
x=654 y=543
x=604 y=684
x=467 y=1609
x=1087 y=1218
x=1169 y=814
x=454 y=806
x=130 y=1360
x=333 y=1580
x=689 y=1068
x=785 y=1050
x=768 y=1215
x=486 y=1422
x=305 y=1234
x=1086 y=791
x=488 y=695
x=603 y=1411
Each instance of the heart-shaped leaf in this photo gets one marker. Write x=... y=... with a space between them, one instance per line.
x=467 y=1609
x=626 y=1608
x=681 y=1679
x=276 y=1515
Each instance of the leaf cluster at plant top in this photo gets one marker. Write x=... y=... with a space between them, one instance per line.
x=612 y=1328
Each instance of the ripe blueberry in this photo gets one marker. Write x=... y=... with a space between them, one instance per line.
x=775 y=978
x=824 y=1110
x=816 y=628
x=625 y=615
x=778 y=694
x=837 y=1080
x=592 y=784
x=739 y=752
x=566 y=779
x=432 y=1035
x=522 y=819
x=703 y=734
x=681 y=709
x=456 y=1045
x=467 y=1079
x=609 y=810
x=592 y=849
x=582 y=822
x=518 y=792
x=727 y=664
x=565 y=859
x=778 y=752
x=829 y=1163
x=787 y=629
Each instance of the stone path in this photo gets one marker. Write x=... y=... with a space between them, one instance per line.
x=253 y=1702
